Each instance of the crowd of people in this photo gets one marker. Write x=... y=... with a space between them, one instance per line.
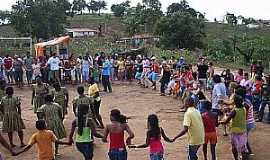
x=209 y=99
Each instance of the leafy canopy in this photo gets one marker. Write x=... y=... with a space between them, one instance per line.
x=182 y=27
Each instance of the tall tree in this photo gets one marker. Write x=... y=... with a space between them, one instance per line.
x=92 y=6
x=151 y=14
x=183 y=6
x=4 y=16
x=79 y=6
x=40 y=18
x=181 y=30
x=231 y=19
x=101 y=5
x=119 y=10
x=134 y=19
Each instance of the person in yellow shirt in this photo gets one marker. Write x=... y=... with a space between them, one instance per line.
x=93 y=91
x=121 y=69
x=44 y=139
x=193 y=125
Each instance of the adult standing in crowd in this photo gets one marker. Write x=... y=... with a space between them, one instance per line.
x=18 y=70
x=106 y=71
x=8 y=64
x=54 y=66
x=79 y=69
x=165 y=77
x=202 y=69
x=28 y=62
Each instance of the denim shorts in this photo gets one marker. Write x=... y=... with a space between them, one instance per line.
x=118 y=154
x=250 y=126
x=156 y=156
x=86 y=149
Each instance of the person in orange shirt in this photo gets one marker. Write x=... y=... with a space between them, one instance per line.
x=44 y=139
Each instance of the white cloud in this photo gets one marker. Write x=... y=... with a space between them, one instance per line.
x=213 y=8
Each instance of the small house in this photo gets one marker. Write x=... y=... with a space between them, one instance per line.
x=81 y=32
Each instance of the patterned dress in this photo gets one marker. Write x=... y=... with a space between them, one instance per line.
x=53 y=116
x=83 y=100
x=2 y=94
x=61 y=99
x=39 y=98
x=12 y=120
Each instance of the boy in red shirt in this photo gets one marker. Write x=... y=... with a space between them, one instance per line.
x=210 y=121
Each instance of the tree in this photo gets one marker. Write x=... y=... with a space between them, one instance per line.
x=180 y=30
x=40 y=18
x=231 y=19
x=79 y=6
x=133 y=19
x=247 y=21
x=183 y=6
x=92 y=6
x=120 y=9
x=152 y=4
x=4 y=16
x=101 y=4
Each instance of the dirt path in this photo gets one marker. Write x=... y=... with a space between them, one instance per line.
x=138 y=103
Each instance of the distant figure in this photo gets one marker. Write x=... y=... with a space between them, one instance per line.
x=100 y=30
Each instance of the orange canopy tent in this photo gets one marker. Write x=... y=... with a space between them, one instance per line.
x=40 y=47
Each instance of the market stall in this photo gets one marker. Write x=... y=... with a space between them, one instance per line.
x=58 y=45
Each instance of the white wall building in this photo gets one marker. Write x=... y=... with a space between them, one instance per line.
x=81 y=32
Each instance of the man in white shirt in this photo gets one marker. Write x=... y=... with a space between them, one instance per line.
x=54 y=66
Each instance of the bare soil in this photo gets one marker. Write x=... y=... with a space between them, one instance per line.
x=137 y=103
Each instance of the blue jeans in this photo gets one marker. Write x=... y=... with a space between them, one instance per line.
x=117 y=154
x=156 y=156
x=29 y=75
x=86 y=149
x=262 y=107
x=85 y=75
x=192 y=152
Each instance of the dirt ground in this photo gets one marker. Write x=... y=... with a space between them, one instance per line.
x=137 y=103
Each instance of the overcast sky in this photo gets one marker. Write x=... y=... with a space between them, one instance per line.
x=258 y=9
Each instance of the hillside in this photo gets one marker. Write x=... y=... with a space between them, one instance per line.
x=111 y=24
x=114 y=25
x=215 y=30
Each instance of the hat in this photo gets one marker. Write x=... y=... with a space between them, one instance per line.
x=153 y=58
x=181 y=57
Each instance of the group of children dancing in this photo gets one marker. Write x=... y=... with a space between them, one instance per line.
x=233 y=99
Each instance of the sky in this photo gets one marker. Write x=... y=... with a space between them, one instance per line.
x=258 y=9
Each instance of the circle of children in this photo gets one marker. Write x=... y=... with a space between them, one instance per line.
x=234 y=99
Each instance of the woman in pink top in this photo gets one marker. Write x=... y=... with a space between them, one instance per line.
x=153 y=139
